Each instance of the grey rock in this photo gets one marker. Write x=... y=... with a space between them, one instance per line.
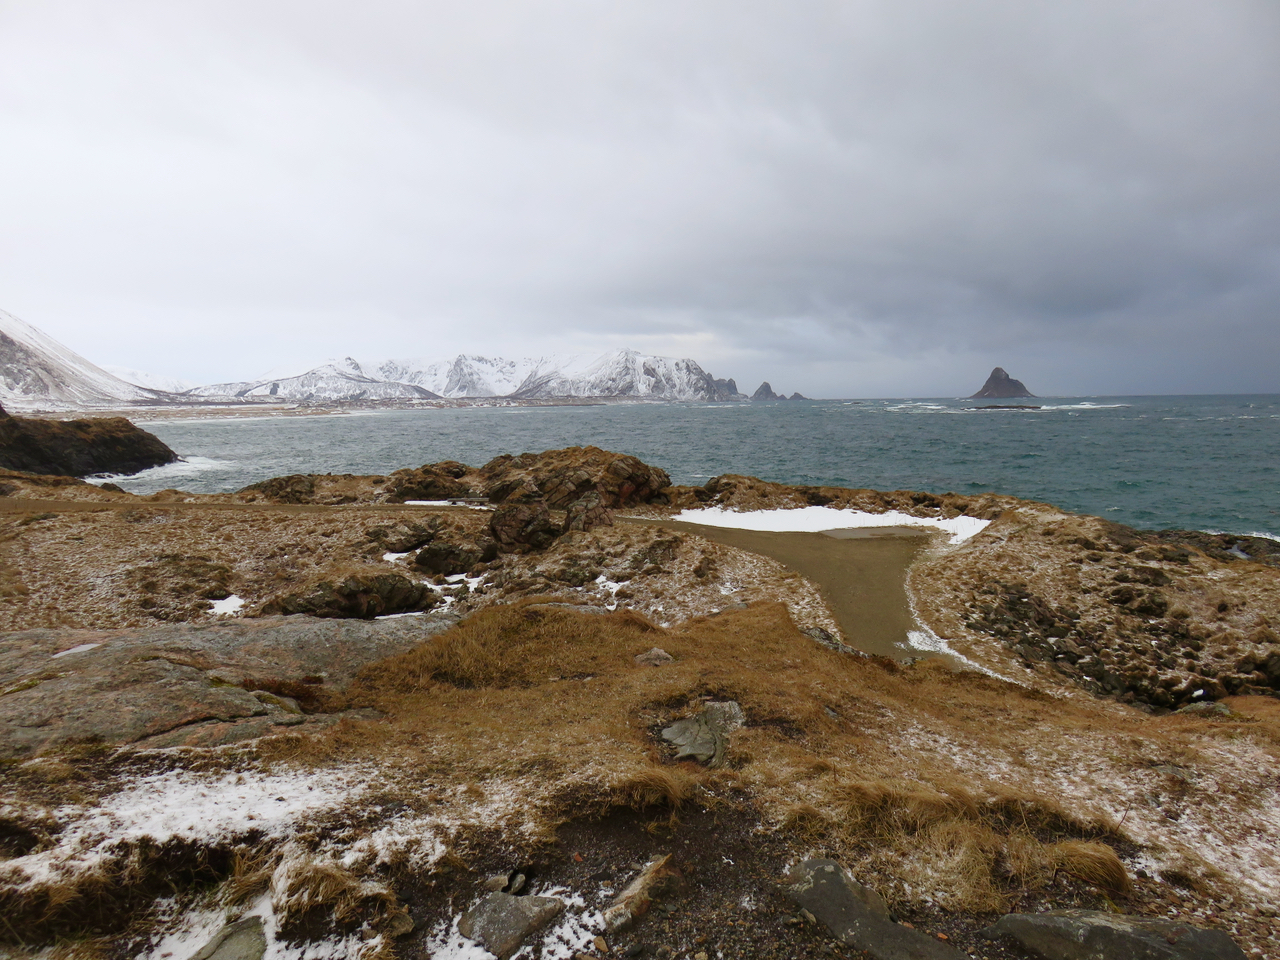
x=857 y=916
x=501 y=922
x=705 y=737
x=654 y=657
x=184 y=683
x=242 y=940
x=1094 y=935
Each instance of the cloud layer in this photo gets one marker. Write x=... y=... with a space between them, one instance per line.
x=847 y=198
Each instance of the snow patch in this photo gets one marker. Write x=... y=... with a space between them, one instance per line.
x=228 y=606
x=821 y=519
x=77 y=649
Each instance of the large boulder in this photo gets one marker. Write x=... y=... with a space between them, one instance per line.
x=1095 y=935
x=78 y=448
x=857 y=916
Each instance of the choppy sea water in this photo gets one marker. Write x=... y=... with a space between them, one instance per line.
x=1202 y=462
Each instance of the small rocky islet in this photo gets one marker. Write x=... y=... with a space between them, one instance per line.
x=507 y=706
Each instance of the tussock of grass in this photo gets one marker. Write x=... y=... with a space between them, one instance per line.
x=654 y=787
x=1094 y=863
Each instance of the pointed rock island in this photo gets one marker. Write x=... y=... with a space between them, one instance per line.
x=1001 y=385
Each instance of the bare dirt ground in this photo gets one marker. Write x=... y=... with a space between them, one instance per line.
x=528 y=737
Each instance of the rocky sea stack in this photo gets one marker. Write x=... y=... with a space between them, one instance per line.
x=78 y=448
x=1001 y=385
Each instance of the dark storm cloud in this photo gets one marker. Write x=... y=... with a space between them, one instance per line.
x=857 y=198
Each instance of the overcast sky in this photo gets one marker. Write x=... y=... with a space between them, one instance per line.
x=849 y=199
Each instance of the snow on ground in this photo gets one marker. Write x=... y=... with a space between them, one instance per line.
x=821 y=519
x=227 y=607
x=187 y=935
x=183 y=805
x=446 y=503
x=79 y=648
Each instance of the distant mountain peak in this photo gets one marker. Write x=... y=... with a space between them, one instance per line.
x=1001 y=385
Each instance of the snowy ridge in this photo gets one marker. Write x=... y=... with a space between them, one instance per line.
x=38 y=373
x=150 y=381
x=621 y=373
x=334 y=381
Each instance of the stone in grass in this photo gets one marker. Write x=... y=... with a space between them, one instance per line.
x=656 y=657
x=1095 y=935
x=242 y=940
x=705 y=737
x=501 y=922
x=857 y=916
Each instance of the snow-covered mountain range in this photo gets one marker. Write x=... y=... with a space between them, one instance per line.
x=620 y=373
x=37 y=372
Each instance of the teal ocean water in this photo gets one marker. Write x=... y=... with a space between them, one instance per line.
x=1200 y=462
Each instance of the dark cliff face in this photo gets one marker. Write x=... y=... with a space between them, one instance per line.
x=1000 y=384
x=78 y=448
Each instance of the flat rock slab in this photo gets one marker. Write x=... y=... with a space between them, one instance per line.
x=1094 y=935
x=129 y=686
x=857 y=916
x=242 y=940
x=501 y=922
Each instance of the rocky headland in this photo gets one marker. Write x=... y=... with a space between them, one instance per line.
x=522 y=705
x=78 y=448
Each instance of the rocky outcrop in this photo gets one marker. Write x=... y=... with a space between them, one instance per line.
x=448 y=558
x=78 y=448
x=1094 y=935
x=1001 y=385
x=181 y=685
x=765 y=392
x=362 y=596
x=559 y=477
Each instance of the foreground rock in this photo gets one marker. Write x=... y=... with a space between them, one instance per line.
x=501 y=921
x=186 y=685
x=78 y=448
x=1001 y=385
x=1094 y=935
x=857 y=916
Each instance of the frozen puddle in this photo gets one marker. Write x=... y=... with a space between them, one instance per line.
x=822 y=519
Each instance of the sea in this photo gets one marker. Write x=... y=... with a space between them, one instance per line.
x=1183 y=462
